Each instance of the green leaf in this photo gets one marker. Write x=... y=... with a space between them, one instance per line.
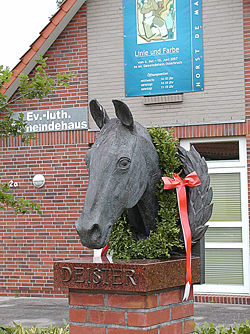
x=243 y=328
x=20 y=205
x=5 y=75
x=165 y=238
x=39 y=87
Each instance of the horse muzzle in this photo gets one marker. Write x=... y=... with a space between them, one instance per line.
x=92 y=235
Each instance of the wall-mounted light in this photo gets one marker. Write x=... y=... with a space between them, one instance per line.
x=38 y=181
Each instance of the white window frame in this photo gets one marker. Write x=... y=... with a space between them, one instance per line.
x=229 y=166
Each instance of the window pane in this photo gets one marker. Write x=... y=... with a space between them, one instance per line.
x=228 y=150
x=224 y=266
x=226 y=197
x=223 y=234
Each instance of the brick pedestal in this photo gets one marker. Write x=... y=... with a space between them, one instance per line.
x=127 y=297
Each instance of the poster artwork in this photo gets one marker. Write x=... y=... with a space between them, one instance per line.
x=156 y=21
x=163 y=48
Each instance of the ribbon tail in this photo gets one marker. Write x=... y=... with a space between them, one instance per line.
x=191 y=180
x=182 y=202
x=105 y=250
x=187 y=291
x=109 y=257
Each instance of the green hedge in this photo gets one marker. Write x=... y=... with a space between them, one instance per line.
x=19 y=329
x=243 y=328
x=166 y=237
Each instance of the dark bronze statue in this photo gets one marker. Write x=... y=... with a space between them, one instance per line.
x=124 y=170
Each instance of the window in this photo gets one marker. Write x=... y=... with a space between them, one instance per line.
x=226 y=241
x=224 y=150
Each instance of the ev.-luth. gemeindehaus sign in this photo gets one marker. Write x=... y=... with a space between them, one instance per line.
x=62 y=119
x=163 y=52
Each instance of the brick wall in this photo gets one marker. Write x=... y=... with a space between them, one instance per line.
x=160 y=312
x=30 y=243
x=222 y=299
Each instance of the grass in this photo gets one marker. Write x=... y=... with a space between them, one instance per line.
x=19 y=329
x=243 y=328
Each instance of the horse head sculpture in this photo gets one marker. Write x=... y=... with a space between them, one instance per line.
x=124 y=171
x=123 y=168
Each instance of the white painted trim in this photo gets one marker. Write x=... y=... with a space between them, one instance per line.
x=202 y=123
x=225 y=164
x=176 y=125
x=225 y=170
x=224 y=245
x=229 y=166
x=98 y=258
x=97 y=252
x=221 y=289
x=186 y=143
x=225 y=224
x=245 y=227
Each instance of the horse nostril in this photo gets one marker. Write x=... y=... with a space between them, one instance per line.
x=95 y=232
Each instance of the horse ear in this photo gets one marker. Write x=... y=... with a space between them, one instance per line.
x=123 y=113
x=98 y=113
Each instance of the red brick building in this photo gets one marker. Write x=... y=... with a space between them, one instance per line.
x=87 y=38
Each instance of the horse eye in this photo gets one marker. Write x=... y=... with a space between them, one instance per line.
x=124 y=163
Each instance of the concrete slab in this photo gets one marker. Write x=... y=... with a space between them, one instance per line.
x=43 y=312
x=219 y=314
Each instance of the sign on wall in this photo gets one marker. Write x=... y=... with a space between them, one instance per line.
x=56 y=119
x=162 y=46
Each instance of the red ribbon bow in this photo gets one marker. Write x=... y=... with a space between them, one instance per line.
x=191 y=180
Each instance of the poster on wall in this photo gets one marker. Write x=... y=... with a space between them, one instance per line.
x=163 y=52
